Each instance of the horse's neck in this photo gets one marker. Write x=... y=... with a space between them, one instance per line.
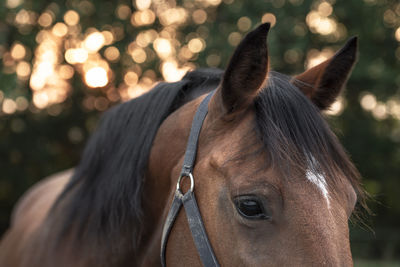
x=163 y=170
x=23 y=244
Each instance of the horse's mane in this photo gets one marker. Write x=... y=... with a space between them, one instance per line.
x=103 y=198
x=102 y=202
x=297 y=138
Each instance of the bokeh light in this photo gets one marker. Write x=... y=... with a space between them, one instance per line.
x=320 y=24
x=76 y=55
x=270 y=18
x=337 y=107
x=46 y=19
x=9 y=106
x=244 y=24
x=131 y=78
x=143 y=4
x=94 y=41
x=96 y=77
x=196 y=45
x=71 y=17
x=108 y=37
x=234 y=38
x=123 y=12
x=213 y=60
x=66 y=72
x=52 y=52
x=199 y=16
x=368 y=101
x=138 y=55
x=18 y=51
x=60 y=29
x=315 y=57
x=171 y=72
x=144 y=17
x=23 y=70
x=112 y=54
x=163 y=47
x=14 y=3
x=397 y=34
x=325 y=9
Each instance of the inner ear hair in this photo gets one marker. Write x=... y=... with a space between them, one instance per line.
x=246 y=72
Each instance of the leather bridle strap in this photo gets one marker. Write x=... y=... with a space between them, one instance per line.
x=188 y=200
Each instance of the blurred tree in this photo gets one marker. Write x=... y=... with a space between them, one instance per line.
x=64 y=62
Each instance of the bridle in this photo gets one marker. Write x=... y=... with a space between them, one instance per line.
x=188 y=199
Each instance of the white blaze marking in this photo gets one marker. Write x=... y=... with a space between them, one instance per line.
x=318 y=179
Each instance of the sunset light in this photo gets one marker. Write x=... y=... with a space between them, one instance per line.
x=76 y=55
x=94 y=41
x=318 y=90
x=96 y=77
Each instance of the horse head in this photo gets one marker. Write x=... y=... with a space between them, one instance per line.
x=273 y=184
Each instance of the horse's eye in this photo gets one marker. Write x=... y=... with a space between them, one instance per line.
x=250 y=207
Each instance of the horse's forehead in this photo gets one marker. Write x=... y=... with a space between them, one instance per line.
x=234 y=143
x=241 y=156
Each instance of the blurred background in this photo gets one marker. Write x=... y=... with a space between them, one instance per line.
x=64 y=62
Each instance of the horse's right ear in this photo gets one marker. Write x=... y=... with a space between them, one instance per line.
x=323 y=83
x=246 y=72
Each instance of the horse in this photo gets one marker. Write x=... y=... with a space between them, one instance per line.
x=274 y=186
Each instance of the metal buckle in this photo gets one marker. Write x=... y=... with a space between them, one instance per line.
x=178 y=184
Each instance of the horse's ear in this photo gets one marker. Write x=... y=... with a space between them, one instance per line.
x=323 y=83
x=246 y=72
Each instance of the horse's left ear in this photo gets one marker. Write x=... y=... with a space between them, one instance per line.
x=245 y=74
x=323 y=83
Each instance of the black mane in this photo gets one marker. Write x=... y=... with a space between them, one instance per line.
x=296 y=137
x=103 y=198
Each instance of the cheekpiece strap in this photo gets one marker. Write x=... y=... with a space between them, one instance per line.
x=188 y=200
x=191 y=147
